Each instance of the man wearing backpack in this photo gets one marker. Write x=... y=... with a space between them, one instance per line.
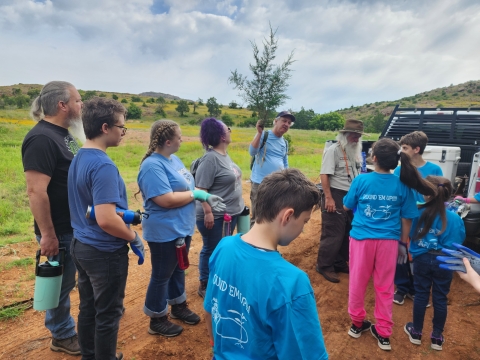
x=269 y=151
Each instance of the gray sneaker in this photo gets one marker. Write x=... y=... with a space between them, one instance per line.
x=69 y=345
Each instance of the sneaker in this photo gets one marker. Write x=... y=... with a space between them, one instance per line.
x=328 y=275
x=437 y=342
x=202 y=289
x=410 y=296
x=356 y=332
x=69 y=345
x=182 y=312
x=383 y=343
x=119 y=356
x=161 y=326
x=398 y=298
x=415 y=337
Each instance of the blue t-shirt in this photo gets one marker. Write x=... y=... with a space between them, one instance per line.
x=425 y=170
x=382 y=200
x=158 y=176
x=93 y=179
x=272 y=157
x=454 y=233
x=265 y=311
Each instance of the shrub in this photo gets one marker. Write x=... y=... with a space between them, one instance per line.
x=114 y=97
x=134 y=112
x=227 y=120
x=124 y=101
x=159 y=110
x=136 y=99
x=102 y=95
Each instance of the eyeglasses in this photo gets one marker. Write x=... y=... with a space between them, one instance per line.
x=124 y=129
x=229 y=130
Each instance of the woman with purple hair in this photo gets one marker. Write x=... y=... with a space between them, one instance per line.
x=218 y=175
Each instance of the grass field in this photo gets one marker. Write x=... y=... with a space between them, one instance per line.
x=16 y=223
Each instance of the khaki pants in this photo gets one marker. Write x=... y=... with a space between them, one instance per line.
x=334 y=240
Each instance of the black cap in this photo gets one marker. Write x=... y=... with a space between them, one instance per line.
x=286 y=114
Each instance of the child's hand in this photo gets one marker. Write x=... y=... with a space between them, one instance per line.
x=402 y=253
x=471 y=276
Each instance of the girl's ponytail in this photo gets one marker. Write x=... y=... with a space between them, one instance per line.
x=434 y=207
x=410 y=176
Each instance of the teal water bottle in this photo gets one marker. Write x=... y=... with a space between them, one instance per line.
x=243 y=223
x=48 y=282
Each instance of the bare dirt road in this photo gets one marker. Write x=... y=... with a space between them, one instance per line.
x=26 y=338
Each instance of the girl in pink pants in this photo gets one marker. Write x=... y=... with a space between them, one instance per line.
x=385 y=208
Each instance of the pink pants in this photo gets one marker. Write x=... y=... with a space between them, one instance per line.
x=377 y=258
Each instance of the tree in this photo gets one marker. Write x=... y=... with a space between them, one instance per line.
x=329 y=122
x=266 y=91
x=159 y=110
x=200 y=102
x=213 y=107
x=33 y=93
x=160 y=100
x=124 y=101
x=227 y=120
x=376 y=122
x=134 y=112
x=136 y=99
x=232 y=104
x=102 y=95
x=114 y=96
x=89 y=94
x=182 y=107
x=303 y=119
x=16 y=91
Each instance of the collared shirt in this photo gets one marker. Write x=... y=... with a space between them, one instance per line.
x=334 y=164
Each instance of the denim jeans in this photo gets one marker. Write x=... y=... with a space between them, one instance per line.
x=211 y=238
x=404 y=279
x=102 y=277
x=167 y=283
x=427 y=274
x=58 y=320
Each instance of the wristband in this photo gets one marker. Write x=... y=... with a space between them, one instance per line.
x=402 y=243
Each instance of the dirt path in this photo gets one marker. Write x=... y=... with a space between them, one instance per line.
x=26 y=337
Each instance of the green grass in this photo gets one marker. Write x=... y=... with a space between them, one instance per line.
x=25 y=262
x=16 y=220
x=14 y=311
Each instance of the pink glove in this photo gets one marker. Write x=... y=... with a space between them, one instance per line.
x=467 y=200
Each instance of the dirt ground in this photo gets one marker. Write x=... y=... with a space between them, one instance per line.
x=26 y=337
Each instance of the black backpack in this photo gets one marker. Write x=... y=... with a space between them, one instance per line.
x=264 y=141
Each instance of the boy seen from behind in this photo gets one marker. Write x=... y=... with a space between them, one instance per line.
x=413 y=145
x=260 y=305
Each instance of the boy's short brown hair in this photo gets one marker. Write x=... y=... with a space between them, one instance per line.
x=414 y=139
x=287 y=188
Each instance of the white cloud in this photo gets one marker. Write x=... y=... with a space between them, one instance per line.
x=347 y=52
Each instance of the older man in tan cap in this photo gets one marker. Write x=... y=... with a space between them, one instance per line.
x=341 y=164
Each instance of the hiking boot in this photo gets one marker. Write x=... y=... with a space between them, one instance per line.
x=415 y=337
x=342 y=269
x=328 y=275
x=161 y=326
x=182 y=312
x=69 y=345
x=398 y=298
x=202 y=289
x=437 y=342
x=119 y=356
x=383 y=343
x=356 y=332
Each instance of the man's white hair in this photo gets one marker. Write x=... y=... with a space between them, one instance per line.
x=353 y=150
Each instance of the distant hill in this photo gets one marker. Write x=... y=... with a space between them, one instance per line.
x=159 y=94
x=461 y=95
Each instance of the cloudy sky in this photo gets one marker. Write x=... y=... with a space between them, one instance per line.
x=346 y=52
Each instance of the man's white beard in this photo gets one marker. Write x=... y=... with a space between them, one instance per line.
x=76 y=129
x=353 y=150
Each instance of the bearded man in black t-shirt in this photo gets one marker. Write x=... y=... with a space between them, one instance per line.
x=47 y=151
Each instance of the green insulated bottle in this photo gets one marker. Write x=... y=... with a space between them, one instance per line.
x=48 y=282
x=243 y=223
